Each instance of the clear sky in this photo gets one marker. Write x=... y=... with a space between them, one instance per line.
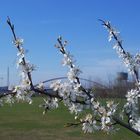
x=40 y=22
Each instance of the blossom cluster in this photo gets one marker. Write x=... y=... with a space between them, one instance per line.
x=49 y=103
x=133 y=64
x=130 y=62
x=23 y=91
x=89 y=125
x=77 y=98
x=105 y=123
x=132 y=107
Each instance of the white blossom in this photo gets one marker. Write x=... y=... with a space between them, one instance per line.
x=67 y=60
x=131 y=106
x=136 y=125
x=76 y=108
x=87 y=127
x=73 y=73
x=49 y=103
x=56 y=85
x=18 y=42
x=77 y=87
x=41 y=86
x=109 y=103
x=95 y=104
x=102 y=110
x=89 y=124
x=21 y=53
x=9 y=99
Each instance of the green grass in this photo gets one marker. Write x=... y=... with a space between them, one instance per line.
x=26 y=122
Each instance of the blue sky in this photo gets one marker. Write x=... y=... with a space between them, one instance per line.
x=40 y=22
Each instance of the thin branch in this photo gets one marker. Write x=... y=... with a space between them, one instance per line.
x=73 y=124
x=18 y=47
x=127 y=126
x=7 y=93
x=108 y=26
x=72 y=66
x=56 y=95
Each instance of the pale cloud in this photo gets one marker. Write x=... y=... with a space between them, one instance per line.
x=109 y=63
x=102 y=69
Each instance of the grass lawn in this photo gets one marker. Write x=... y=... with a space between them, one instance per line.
x=26 y=122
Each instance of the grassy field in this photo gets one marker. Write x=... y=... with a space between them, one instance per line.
x=26 y=122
